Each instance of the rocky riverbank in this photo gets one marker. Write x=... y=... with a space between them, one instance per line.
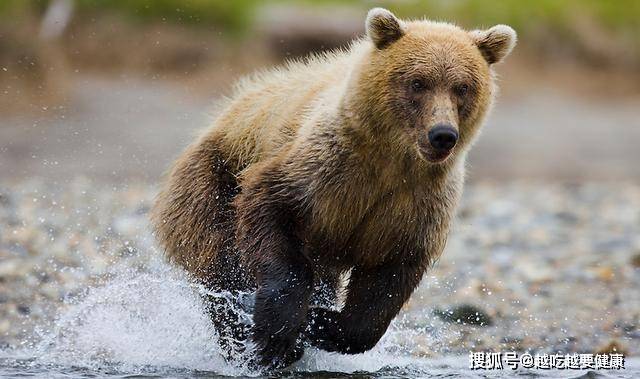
x=529 y=266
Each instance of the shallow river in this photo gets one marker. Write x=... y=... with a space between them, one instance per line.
x=393 y=367
x=153 y=323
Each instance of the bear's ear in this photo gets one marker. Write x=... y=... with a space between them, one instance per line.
x=383 y=28
x=495 y=43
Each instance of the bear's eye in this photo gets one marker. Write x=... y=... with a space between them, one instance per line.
x=418 y=85
x=461 y=90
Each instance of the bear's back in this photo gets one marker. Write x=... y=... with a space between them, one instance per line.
x=267 y=109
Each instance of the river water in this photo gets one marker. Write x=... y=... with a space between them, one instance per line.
x=153 y=323
x=317 y=365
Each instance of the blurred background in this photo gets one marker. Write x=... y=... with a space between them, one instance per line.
x=114 y=89
x=98 y=97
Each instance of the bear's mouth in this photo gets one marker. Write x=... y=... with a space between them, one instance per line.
x=438 y=157
x=433 y=156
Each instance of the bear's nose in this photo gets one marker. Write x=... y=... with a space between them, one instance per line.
x=443 y=137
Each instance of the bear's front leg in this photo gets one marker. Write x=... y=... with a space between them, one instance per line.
x=268 y=240
x=374 y=298
x=284 y=289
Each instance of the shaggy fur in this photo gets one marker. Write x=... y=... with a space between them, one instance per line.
x=324 y=167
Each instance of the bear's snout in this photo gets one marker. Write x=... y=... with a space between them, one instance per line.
x=443 y=138
x=436 y=145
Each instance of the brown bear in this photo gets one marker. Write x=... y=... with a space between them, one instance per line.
x=347 y=162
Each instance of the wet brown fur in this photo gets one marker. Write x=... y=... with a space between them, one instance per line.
x=313 y=168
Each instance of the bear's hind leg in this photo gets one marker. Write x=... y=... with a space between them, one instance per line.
x=194 y=219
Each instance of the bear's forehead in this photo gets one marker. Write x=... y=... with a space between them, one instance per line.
x=437 y=45
x=441 y=30
x=430 y=35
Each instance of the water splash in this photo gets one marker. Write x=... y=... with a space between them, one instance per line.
x=138 y=318
x=152 y=320
x=154 y=317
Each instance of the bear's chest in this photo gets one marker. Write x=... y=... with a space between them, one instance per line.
x=368 y=227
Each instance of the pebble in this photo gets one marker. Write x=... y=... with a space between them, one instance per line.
x=5 y=326
x=10 y=267
x=532 y=270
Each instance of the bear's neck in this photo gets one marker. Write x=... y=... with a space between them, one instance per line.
x=386 y=159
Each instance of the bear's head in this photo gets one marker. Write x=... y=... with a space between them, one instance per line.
x=428 y=84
